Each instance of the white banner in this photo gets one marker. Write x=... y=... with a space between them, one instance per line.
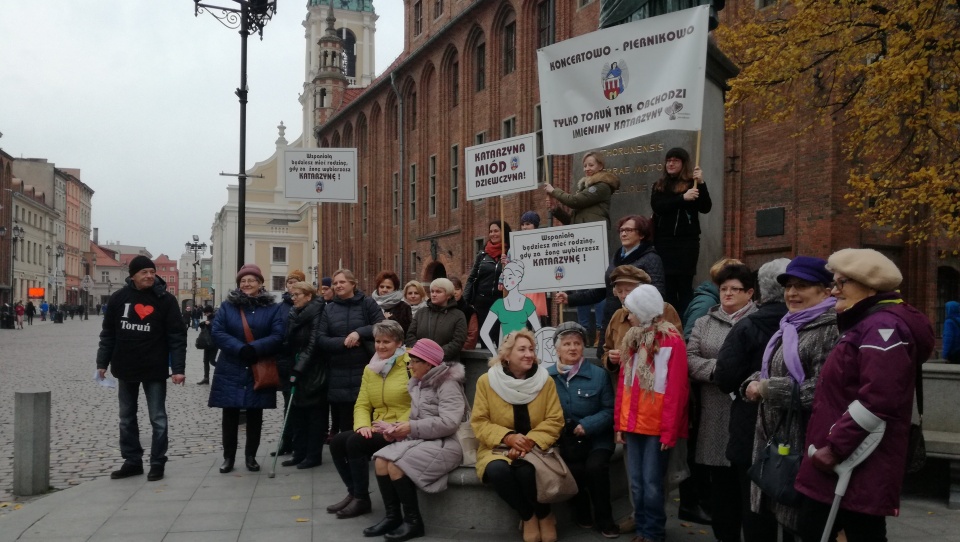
x=624 y=81
x=320 y=174
x=561 y=258
x=501 y=167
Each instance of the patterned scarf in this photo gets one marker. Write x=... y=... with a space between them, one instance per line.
x=641 y=345
x=383 y=367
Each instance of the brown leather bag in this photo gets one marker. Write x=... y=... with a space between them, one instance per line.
x=265 y=373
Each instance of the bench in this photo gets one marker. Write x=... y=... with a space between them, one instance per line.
x=941 y=419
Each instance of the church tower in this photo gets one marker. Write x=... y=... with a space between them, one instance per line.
x=339 y=54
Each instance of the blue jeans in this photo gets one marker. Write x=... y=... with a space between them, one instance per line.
x=583 y=317
x=648 y=466
x=156 y=393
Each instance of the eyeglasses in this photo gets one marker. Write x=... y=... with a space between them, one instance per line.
x=839 y=284
x=253 y=281
x=797 y=285
x=415 y=360
x=628 y=230
x=731 y=290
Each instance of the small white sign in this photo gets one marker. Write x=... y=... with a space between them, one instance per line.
x=562 y=258
x=320 y=175
x=501 y=167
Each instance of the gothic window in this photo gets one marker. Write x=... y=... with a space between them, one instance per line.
x=510 y=46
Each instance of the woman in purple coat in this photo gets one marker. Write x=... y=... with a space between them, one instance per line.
x=232 y=387
x=869 y=376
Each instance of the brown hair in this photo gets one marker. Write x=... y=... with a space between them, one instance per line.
x=387 y=275
x=347 y=274
x=719 y=265
x=683 y=180
x=304 y=287
x=644 y=226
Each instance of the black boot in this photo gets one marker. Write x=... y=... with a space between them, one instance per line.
x=227 y=465
x=391 y=503
x=412 y=522
x=360 y=476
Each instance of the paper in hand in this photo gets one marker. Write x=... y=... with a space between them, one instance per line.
x=106 y=381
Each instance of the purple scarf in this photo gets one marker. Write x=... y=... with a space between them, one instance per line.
x=789 y=325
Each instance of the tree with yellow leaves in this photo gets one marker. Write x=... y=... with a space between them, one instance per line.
x=886 y=74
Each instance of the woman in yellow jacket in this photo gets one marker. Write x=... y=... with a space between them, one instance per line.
x=516 y=407
x=382 y=404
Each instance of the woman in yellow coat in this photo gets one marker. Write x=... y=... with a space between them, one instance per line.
x=516 y=407
x=382 y=403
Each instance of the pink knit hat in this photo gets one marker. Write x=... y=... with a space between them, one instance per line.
x=428 y=351
x=249 y=269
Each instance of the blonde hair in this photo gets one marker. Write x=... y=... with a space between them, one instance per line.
x=417 y=285
x=596 y=156
x=347 y=274
x=444 y=284
x=304 y=287
x=719 y=265
x=506 y=347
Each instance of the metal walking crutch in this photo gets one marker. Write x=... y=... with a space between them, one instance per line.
x=875 y=426
x=283 y=429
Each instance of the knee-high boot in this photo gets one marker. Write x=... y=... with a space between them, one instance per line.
x=412 y=521
x=391 y=503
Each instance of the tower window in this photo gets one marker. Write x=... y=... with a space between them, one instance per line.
x=418 y=18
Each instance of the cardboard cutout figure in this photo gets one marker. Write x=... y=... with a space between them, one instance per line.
x=546 y=350
x=512 y=311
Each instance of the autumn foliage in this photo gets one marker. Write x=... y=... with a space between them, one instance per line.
x=886 y=74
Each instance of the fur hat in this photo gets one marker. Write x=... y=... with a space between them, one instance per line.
x=569 y=327
x=140 y=263
x=770 y=290
x=631 y=274
x=297 y=274
x=678 y=152
x=807 y=268
x=249 y=269
x=866 y=266
x=530 y=217
x=645 y=303
x=428 y=351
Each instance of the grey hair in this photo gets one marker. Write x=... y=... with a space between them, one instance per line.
x=389 y=329
x=770 y=290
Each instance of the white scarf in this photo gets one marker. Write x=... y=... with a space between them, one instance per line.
x=383 y=367
x=514 y=390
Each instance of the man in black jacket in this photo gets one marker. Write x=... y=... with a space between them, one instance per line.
x=143 y=339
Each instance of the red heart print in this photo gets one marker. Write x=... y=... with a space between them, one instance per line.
x=143 y=310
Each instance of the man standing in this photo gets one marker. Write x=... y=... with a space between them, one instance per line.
x=143 y=338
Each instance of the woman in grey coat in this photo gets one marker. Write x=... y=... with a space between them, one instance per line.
x=426 y=447
x=735 y=284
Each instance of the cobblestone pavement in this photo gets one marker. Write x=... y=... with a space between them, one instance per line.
x=84 y=431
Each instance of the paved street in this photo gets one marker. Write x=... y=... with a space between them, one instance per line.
x=84 y=435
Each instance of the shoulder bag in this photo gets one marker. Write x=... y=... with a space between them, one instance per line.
x=465 y=436
x=555 y=482
x=204 y=340
x=777 y=465
x=265 y=374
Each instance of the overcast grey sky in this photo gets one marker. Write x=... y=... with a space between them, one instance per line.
x=139 y=96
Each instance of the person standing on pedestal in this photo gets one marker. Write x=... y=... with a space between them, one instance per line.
x=143 y=339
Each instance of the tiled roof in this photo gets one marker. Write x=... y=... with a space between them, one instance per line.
x=353 y=94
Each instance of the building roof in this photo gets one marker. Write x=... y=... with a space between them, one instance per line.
x=352 y=94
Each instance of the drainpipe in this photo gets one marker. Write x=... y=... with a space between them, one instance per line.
x=400 y=173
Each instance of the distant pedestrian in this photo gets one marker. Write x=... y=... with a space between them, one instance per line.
x=951 y=332
x=31 y=312
x=19 y=310
x=142 y=339
x=44 y=307
x=210 y=352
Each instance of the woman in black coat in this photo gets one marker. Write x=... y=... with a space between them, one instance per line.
x=346 y=324
x=677 y=199
x=482 y=284
x=309 y=412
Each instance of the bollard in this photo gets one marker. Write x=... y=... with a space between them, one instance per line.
x=31 y=442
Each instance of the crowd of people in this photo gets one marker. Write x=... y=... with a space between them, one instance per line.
x=797 y=354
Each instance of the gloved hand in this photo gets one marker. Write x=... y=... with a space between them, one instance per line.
x=824 y=459
x=248 y=355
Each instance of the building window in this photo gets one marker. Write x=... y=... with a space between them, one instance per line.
x=437 y=8
x=279 y=283
x=481 y=65
x=279 y=255
x=455 y=84
x=417 y=18
x=412 y=110
x=396 y=198
x=413 y=191
x=545 y=23
x=455 y=177
x=480 y=138
x=479 y=243
x=413 y=263
x=509 y=128
x=363 y=215
x=432 y=186
x=509 y=47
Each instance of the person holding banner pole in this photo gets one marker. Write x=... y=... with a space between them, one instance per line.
x=484 y=279
x=591 y=202
x=678 y=199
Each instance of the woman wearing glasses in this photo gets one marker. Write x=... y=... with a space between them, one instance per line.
x=636 y=249
x=735 y=283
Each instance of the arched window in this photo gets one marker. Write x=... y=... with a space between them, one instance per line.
x=349 y=56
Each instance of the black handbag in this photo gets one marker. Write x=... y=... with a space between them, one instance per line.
x=777 y=465
x=204 y=339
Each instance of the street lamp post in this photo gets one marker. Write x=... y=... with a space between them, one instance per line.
x=197 y=248
x=17 y=235
x=250 y=17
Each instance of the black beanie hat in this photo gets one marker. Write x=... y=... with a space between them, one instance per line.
x=139 y=263
x=678 y=152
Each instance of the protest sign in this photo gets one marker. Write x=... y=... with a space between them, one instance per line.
x=624 y=81
x=501 y=167
x=320 y=174
x=561 y=258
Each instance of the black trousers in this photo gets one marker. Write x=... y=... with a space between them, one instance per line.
x=341 y=417
x=231 y=426
x=725 y=503
x=516 y=484
x=308 y=426
x=856 y=526
x=593 y=480
x=351 y=454
x=679 y=291
x=209 y=357
x=760 y=527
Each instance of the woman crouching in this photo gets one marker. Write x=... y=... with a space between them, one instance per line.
x=426 y=447
x=516 y=407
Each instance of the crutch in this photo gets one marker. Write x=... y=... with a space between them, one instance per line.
x=283 y=429
x=875 y=426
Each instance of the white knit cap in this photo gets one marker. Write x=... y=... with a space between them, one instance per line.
x=645 y=302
